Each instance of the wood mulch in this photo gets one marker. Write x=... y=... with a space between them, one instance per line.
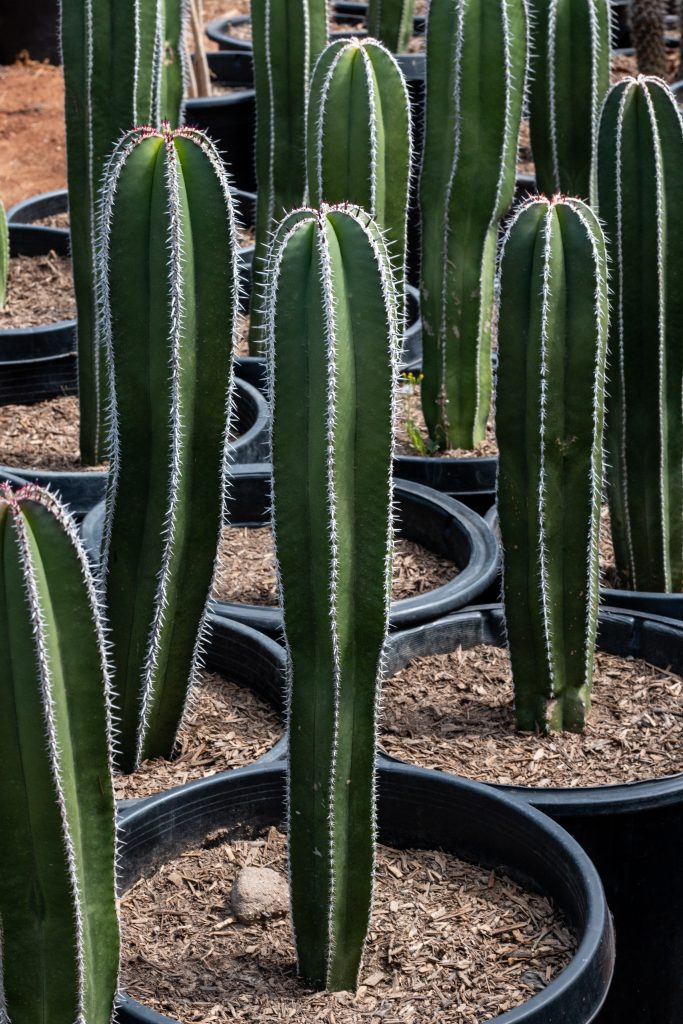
x=43 y=435
x=225 y=726
x=246 y=568
x=39 y=292
x=54 y=220
x=455 y=712
x=449 y=942
x=411 y=424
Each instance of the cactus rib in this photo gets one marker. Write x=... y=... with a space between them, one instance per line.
x=391 y=21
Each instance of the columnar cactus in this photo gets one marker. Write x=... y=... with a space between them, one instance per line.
x=569 y=79
x=552 y=338
x=4 y=255
x=59 y=952
x=333 y=362
x=167 y=284
x=288 y=38
x=391 y=21
x=112 y=75
x=358 y=105
x=647 y=32
x=174 y=72
x=472 y=122
x=640 y=183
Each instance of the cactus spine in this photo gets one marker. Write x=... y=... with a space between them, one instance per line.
x=552 y=338
x=569 y=79
x=358 y=105
x=640 y=182
x=59 y=947
x=167 y=285
x=467 y=183
x=391 y=21
x=112 y=73
x=647 y=31
x=4 y=255
x=333 y=361
x=288 y=38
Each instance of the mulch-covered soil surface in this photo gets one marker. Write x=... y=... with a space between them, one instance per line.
x=225 y=726
x=412 y=437
x=39 y=291
x=246 y=568
x=455 y=712
x=43 y=435
x=449 y=943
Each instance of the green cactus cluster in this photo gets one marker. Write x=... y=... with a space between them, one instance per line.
x=168 y=300
x=288 y=38
x=358 y=104
x=550 y=409
x=391 y=21
x=639 y=188
x=4 y=255
x=58 y=919
x=472 y=122
x=568 y=81
x=333 y=361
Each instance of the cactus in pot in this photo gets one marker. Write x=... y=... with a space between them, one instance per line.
x=112 y=57
x=4 y=255
x=59 y=948
x=167 y=285
x=550 y=407
x=288 y=38
x=391 y=21
x=174 y=57
x=569 y=78
x=476 y=59
x=333 y=364
x=639 y=187
x=358 y=104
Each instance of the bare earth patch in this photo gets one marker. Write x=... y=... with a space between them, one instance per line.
x=449 y=942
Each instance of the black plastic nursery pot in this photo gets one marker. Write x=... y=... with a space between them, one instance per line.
x=417 y=809
x=37 y=362
x=437 y=522
x=31 y=26
x=633 y=832
x=83 y=489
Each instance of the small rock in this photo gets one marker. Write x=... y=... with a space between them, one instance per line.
x=258 y=894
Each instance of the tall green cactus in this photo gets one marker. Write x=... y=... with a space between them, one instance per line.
x=391 y=21
x=167 y=283
x=476 y=59
x=358 y=105
x=333 y=358
x=550 y=398
x=288 y=38
x=59 y=940
x=640 y=184
x=569 y=78
x=112 y=76
x=4 y=255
